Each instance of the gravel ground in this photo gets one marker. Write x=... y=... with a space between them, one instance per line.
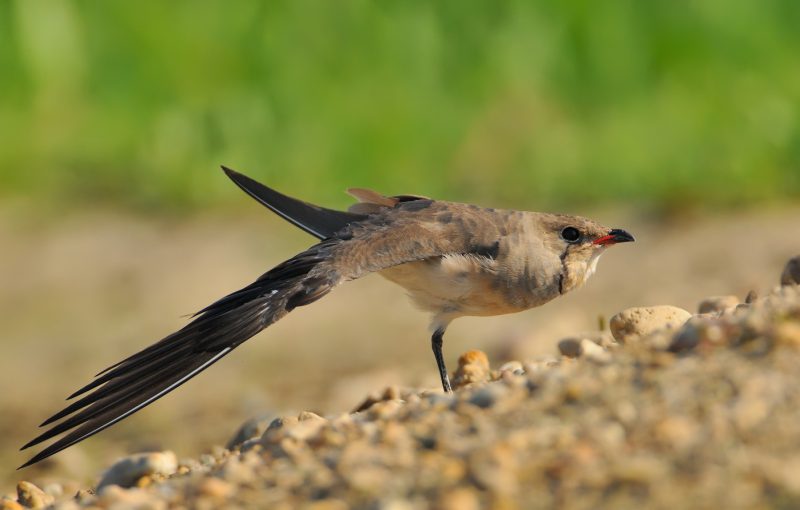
x=666 y=410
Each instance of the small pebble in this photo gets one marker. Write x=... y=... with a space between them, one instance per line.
x=791 y=272
x=570 y=347
x=488 y=395
x=594 y=352
x=84 y=495
x=278 y=429
x=31 y=496
x=717 y=304
x=308 y=425
x=386 y=409
x=390 y=393
x=7 y=504
x=696 y=331
x=250 y=429
x=127 y=471
x=515 y=367
x=308 y=415
x=473 y=367
x=685 y=340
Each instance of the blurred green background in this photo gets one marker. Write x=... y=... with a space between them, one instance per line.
x=665 y=104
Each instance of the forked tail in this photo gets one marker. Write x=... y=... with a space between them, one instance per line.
x=138 y=381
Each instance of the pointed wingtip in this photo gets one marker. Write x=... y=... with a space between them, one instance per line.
x=229 y=171
x=48 y=421
x=241 y=180
x=87 y=387
x=33 y=460
x=36 y=440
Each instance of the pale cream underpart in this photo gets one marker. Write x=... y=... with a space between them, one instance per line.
x=450 y=287
x=466 y=285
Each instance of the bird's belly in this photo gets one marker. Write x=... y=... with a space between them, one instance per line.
x=455 y=285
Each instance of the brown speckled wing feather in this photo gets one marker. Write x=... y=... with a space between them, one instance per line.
x=411 y=231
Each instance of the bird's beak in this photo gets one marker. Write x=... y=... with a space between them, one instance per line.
x=614 y=236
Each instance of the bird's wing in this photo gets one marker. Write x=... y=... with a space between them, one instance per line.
x=317 y=221
x=414 y=230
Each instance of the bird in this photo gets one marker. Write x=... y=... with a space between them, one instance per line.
x=453 y=259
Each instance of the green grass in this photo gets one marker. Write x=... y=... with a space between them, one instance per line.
x=664 y=104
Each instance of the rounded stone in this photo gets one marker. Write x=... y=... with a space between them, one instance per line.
x=488 y=395
x=791 y=272
x=717 y=304
x=570 y=347
x=473 y=367
x=8 y=504
x=127 y=471
x=697 y=330
x=594 y=352
x=252 y=428
x=514 y=367
x=31 y=496
x=386 y=409
x=634 y=323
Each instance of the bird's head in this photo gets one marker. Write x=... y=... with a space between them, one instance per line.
x=579 y=242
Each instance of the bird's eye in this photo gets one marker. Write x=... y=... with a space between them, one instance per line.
x=571 y=234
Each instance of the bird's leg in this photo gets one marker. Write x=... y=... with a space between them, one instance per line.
x=436 y=344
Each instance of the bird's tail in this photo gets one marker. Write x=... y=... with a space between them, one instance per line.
x=141 y=379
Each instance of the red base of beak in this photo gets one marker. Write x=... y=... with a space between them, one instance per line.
x=615 y=236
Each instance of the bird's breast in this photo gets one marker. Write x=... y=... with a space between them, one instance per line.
x=458 y=285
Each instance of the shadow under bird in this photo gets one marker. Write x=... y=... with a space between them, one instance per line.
x=453 y=259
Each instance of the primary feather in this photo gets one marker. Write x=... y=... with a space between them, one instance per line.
x=148 y=375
